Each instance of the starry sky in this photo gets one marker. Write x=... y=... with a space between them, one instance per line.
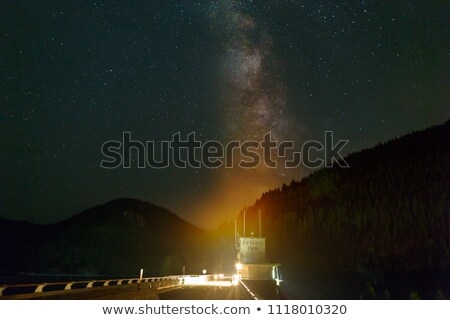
x=74 y=74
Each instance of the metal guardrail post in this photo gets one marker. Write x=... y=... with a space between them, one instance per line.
x=40 y=288
x=69 y=286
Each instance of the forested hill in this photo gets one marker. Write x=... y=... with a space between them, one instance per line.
x=116 y=238
x=388 y=211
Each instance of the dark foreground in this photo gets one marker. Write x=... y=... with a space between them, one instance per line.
x=419 y=284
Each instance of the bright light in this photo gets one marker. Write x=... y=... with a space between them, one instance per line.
x=235 y=280
x=204 y=281
x=215 y=277
x=204 y=271
x=238 y=266
x=221 y=276
x=199 y=280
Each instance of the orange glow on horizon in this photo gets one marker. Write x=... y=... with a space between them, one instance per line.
x=232 y=191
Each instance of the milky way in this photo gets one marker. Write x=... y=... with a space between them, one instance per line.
x=254 y=99
x=252 y=103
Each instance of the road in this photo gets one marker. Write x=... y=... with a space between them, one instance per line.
x=199 y=292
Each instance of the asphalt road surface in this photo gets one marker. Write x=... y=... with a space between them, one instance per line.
x=207 y=293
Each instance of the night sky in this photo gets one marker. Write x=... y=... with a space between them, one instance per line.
x=75 y=74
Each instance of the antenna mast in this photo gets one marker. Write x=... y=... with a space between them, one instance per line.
x=244 y=223
x=259 y=213
x=235 y=233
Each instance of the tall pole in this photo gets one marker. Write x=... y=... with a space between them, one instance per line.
x=259 y=213
x=235 y=232
x=244 y=223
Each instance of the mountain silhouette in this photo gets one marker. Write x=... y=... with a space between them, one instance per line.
x=386 y=216
x=119 y=237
